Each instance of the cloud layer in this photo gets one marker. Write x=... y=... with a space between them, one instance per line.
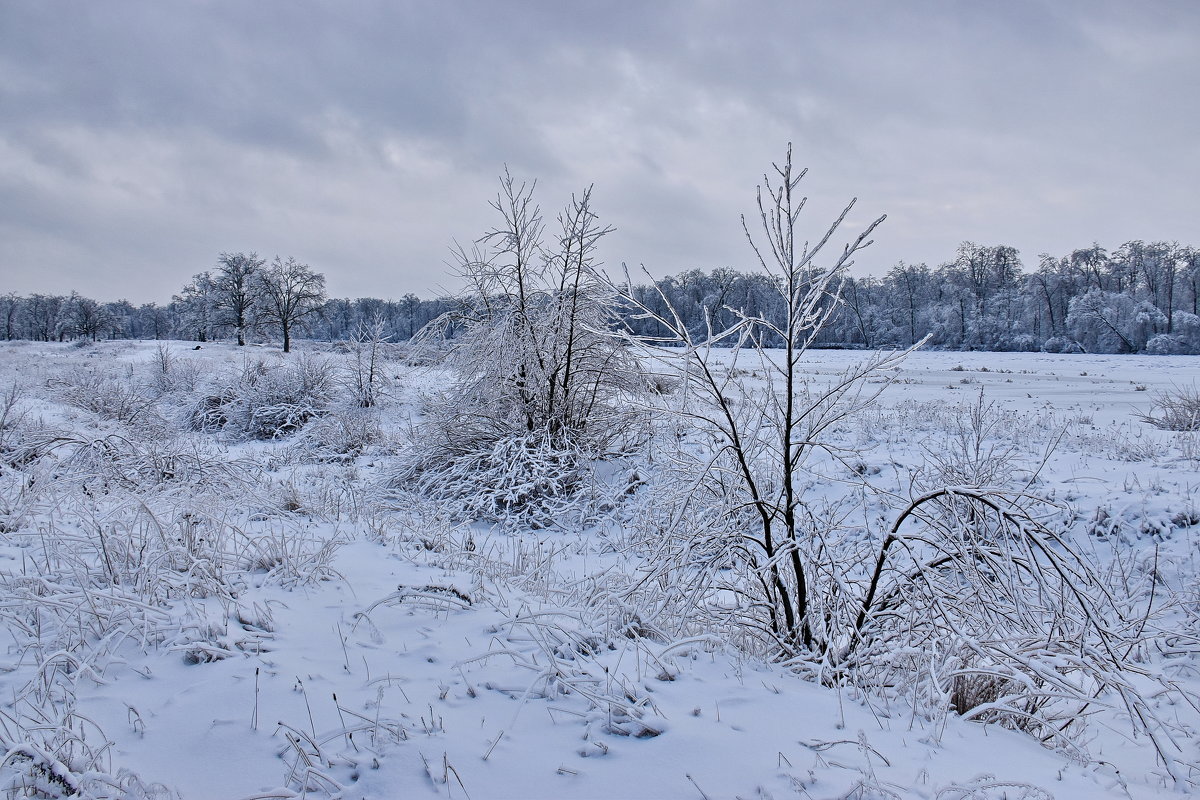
x=139 y=140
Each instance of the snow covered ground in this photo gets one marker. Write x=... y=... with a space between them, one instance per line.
x=188 y=615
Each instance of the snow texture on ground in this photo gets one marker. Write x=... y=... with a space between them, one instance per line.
x=418 y=658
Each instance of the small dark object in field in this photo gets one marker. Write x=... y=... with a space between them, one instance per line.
x=446 y=590
x=197 y=347
x=1185 y=519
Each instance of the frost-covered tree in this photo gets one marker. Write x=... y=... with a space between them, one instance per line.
x=194 y=310
x=910 y=291
x=533 y=350
x=539 y=380
x=291 y=293
x=11 y=307
x=44 y=316
x=1112 y=322
x=151 y=321
x=119 y=318
x=764 y=436
x=235 y=290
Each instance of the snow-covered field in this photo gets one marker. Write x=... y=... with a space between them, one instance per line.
x=190 y=614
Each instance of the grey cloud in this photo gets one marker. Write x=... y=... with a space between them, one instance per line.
x=363 y=137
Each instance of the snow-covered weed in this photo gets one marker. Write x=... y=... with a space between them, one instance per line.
x=1188 y=444
x=1175 y=409
x=18 y=434
x=119 y=398
x=55 y=752
x=1128 y=443
x=977 y=448
x=341 y=435
x=529 y=480
x=268 y=401
x=287 y=555
x=170 y=374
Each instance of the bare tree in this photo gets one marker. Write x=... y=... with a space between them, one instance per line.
x=88 y=318
x=235 y=289
x=366 y=375
x=290 y=293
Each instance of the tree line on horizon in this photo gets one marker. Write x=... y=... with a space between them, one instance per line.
x=1138 y=298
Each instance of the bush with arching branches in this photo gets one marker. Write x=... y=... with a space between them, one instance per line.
x=967 y=598
x=765 y=432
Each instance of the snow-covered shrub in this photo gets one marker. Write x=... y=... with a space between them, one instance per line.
x=268 y=401
x=970 y=596
x=975 y=448
x=17 y=436
x=282 y=400
x=763 y=435
x=1061 y=344
x=50 y=752
x=539 y=380
x=1167 y=344
x=1017 y=342
x=1176 y=409
x=365 y=376
x=117 y=398
x=341 y=434
x=287 y=555
x=132 y=462
x=1019 y=626
x=168 y=373
x=1184 y=338
x=1187 y=325
x=531 y=480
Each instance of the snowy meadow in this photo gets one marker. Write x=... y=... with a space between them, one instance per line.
x=222 y=575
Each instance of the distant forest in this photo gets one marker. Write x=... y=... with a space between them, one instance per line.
x=1139 y=298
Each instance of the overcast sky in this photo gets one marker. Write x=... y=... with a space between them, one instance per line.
x=138 y=140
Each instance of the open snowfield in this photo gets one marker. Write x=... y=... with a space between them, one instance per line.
x=192 y=614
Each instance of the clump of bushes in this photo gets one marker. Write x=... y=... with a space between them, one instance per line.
x=267 y=402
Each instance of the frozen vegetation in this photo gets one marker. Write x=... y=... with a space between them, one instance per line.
x=183 y=601
x=528 y=555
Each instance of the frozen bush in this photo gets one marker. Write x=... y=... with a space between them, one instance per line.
x=969 y=597
x=365 y=377
x=14 y=430
x=1177 y=409
x=1167 y=344
x=341 y=434
x=975 y=448
x=50 y=751
x=526 y=480
x=169 y=373
x=1016 y=342
x=1061 y=344
x=121 y=399
x=268 y=402
x=541 y=387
